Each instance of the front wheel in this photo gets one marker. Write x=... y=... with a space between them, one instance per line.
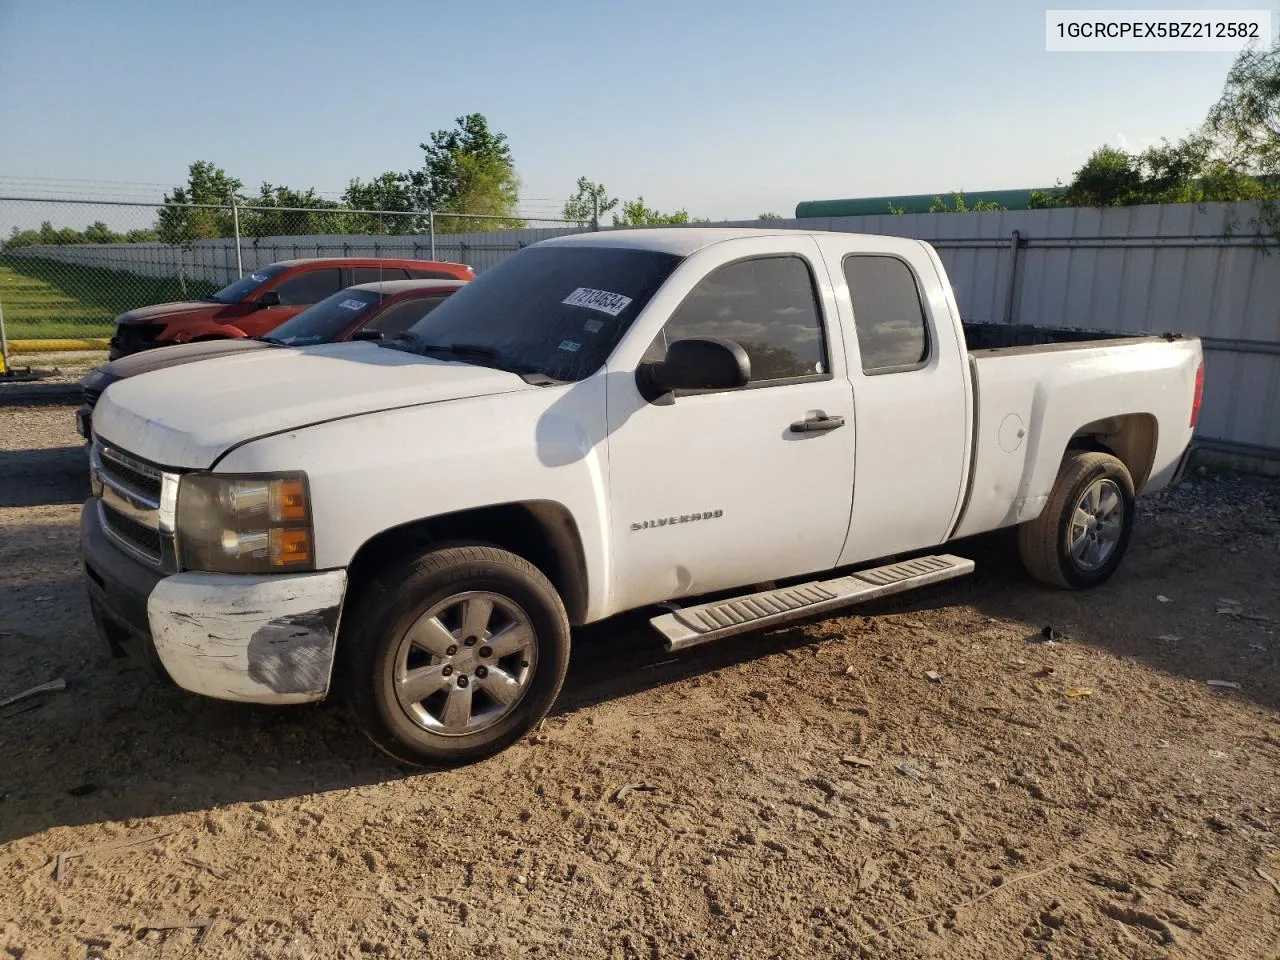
x=451 y=656
x=1080 y=537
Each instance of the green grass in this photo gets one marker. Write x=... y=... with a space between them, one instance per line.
x=44 y=299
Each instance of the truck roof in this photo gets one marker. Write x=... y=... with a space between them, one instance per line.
x=683 y=241
x=678 y=240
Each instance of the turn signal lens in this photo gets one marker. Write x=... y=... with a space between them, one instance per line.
x=290 y=547
x=288 y=500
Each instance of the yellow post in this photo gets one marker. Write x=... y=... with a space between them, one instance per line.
x=58 y=346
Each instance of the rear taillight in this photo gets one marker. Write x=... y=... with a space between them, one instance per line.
x=1199 y=395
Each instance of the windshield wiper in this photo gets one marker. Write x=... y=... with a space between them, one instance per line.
x=458 y=349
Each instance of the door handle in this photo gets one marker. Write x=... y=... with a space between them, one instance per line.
x=817 y=424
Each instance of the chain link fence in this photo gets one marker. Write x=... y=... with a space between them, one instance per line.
x=69 y=267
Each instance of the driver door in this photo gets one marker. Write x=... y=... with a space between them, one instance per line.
x=722 y=489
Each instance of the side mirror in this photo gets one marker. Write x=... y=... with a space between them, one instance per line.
x=367 y=335
x=696 y=364
x=268 y=299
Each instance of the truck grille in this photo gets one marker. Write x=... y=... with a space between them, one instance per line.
x=137 y=505
x=135 y=476
x=132 y=337
x=143 y=539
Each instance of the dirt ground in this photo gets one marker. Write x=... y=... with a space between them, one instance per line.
x=808 y=792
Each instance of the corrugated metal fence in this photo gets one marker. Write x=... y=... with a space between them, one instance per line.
x=1155 y=269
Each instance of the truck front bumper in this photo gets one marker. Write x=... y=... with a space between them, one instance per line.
x=258 y=639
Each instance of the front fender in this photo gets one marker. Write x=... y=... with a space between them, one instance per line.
x=376 y=472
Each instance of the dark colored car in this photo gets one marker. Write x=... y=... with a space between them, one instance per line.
x=372 y=311
x=264 y=299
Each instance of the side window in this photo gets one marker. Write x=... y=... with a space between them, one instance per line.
x=887 y=313
x=304 y=289
x=377 y=274
x=399 y=317
x=767 y=305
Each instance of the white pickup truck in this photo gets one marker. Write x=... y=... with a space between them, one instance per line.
x=790 y=421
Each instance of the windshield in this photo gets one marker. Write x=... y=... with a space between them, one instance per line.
x=554 y=310
x=237 y=290
x=324 y=321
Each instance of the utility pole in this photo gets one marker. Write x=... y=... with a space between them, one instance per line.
x=235 y=222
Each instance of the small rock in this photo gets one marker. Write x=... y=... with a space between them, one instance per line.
x=907 y=770
x=1225 y=684
x=868 y=874
x=850 y=670
x=1049 y=634
x=854 y=761
x=933 y=676
x=1076 y=693
x=1162 y=598
x=760 y=695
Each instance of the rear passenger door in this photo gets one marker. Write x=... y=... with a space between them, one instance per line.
x=910 y=395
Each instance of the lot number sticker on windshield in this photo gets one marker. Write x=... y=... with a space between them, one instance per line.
x=570 y=346
x=602 y=300
x=352 y=304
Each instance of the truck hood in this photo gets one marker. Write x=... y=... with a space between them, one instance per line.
x=187 y=416
x=161 y=311
x=99 y=378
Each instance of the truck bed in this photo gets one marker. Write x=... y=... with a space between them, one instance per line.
x=1025 y=338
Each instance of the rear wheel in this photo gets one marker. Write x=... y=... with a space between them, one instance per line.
x=454 y=655
x=1081 y=536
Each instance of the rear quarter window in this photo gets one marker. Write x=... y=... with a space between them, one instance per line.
x=888 y=314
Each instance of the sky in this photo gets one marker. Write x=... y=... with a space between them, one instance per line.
x=726 y=109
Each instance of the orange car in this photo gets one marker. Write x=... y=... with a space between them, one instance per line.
x=371 y=311
x=264 y=299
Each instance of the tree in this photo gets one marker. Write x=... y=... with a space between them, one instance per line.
x=636 y=214
x=769 y=216
x=1244 y=126
x=958 y=204
x=1245 y=122
x=467 y=170
x=206 y=184
x=283 y=211
x=392 y=192
x=23 y=238
x=589 y=203
x=1109 y=178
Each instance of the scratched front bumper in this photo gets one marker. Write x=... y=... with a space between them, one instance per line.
x=258 y=639
x=266 y=639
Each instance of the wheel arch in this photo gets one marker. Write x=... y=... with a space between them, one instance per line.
x=541 y=531
x=1130 y=437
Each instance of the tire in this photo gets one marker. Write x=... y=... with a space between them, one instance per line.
x=1045 y=543
x=408 y=633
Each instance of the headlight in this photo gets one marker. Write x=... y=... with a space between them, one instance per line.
x=245 y=524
